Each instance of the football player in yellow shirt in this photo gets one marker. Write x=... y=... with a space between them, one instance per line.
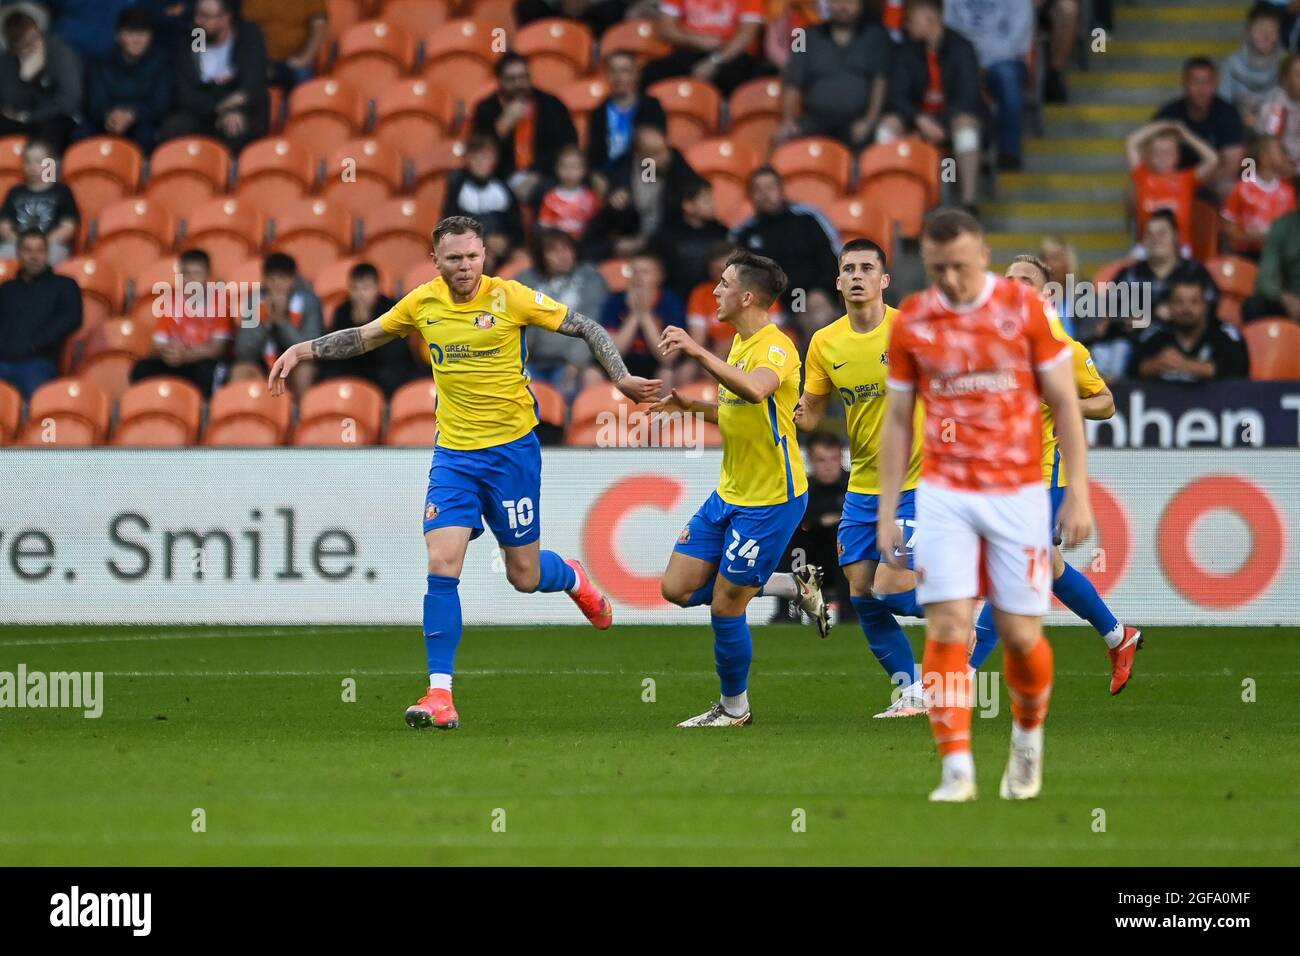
x=487 y=462
x=728 y=551
x=1071 y=587
x=850 y=358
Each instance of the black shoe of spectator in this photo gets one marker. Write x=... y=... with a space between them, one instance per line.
x=1054 y=90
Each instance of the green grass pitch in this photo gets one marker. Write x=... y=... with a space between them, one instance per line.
x=250 y=725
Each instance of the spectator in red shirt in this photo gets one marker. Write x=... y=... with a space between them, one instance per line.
x=195 y=327
x=1158 y=183
x=713 y=40
x=570 y=204
x=1259 y=198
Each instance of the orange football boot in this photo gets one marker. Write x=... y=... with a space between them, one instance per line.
x=434 y=709
x=594 y=606
x=1121 y=659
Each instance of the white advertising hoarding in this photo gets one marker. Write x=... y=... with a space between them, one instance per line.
x=290 y=536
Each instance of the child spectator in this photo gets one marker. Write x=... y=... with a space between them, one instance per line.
x=570 y=205
x=1251 y=72
x=1158 y=183
x=391 y=365
x=191 y=342
x=40 y=202
x=1279 y=113
x=477 y=191
x=287 y=312
x=1260 y=199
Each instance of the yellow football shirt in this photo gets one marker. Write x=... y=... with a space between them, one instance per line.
x=856 y=366
x=1088 y=383
x=477 y=351
x=761 y=462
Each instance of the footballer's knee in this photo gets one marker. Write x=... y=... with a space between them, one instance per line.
x=1058 y=564
x=672 y=593
x=524 y=579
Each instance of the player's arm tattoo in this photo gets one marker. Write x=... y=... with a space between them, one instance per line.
x=349 y=343
x=578 y=326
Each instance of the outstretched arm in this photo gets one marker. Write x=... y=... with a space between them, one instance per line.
x=343 y=344
x=578 y=326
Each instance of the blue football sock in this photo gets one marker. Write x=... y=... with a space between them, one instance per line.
x=986 y=637
x=703 y=596
x=733 y=650
x=442 y=623
x=1080 y=596
x=903 y=603
x=556 y=575
x=886 y=639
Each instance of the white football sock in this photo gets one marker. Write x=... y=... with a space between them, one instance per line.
x=440 y=682
x=782 y=585
x=577 y=582
x=959 y=764
x=736 y=706
x=1032 y=739
x=1115 y=636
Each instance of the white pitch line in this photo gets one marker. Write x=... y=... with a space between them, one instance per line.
x=596 y=672
x=187 y=635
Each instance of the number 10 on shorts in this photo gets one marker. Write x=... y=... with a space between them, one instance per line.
x=519 y=513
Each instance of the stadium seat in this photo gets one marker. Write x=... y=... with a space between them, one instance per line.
x=431 y=169
x=275 y=170
x=735 y=215
x=412 y=115
x=581 y=97
x=184 y=173
x=372 y=55
x=341 y=14
x=638 y=37
x=558 y=51
x=8 y=269
x=724 y=157
x=1108 y=271
x=245 y=414
x=397 y=234
x=616 y=273
x=159 y=412
x=103 y=289
x=1205 y=230
x=340 y=412
x=855 y=219
x=228 y=229
x=460 y=54
x=275 y=109
x=325 y=112
x=134 y=230
x=755 y=111
x=11 y=162
x=110 y=350
x=416 y=17
x=903 y=178
x=496 y=13
x=362 y=174
x=693 y=108
x=331 y=284
x=816 y=169
x=102 y=170
x=1234 y=275
x=68 y=412
x=594 y=399
x=143 y=278
x=415 y=277
x=11 y=410
x=551 y=407
x=1274 y=347
x=412 y=415
x=519 y=261
x=314 y=232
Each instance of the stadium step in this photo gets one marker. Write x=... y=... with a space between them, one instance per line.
x=1121 y=87
x=1109 y=241
x=1053 y=216
x=1046 y=156
x=1076 y=186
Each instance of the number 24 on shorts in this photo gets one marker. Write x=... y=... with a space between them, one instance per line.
x=748 y=550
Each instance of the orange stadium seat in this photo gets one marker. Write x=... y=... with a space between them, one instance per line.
x=340 y=412
x=331 y=284
x=186 y=172
x=372 y=55
x=275 y=170
x=693 y=108
x=412 y=415
x=432 y=168
x=581 y=97
x=635 y=36
x=1205 y=230
x=903 y=178
x=755 y=109
x=11 y=410
x=816 y=169
x=8 y=269
x=417 y=276
x=726 y=163
x=69 y=412
x=111 y=349
x=144 y=277
x=558 y=51
x=1234 y=275
x=101 y=170
x=159 y=412
x=341 y=14
x=103 y=288
x=855 y=219
x=245 y=414
x=517 y=263
x=1274 y=347
x=325 y=112
x=735 y=215
x=594 y=399
x=460 y=54
x=616 y=273
x=275 y=109
x=412 y=115
x=229 y=230
x=314 y=232
x=416 y=17
x=497 y=13
x=551 y=407
x=398 y=234
x=134 y=230
x=362 y=174
x=1108 y=271
x=11 y=161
